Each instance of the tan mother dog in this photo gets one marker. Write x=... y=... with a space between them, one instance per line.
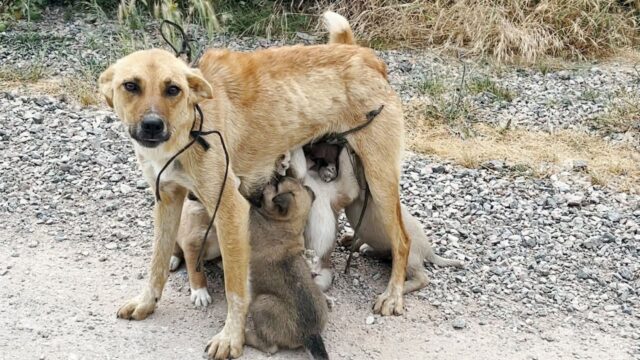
x=265 y=103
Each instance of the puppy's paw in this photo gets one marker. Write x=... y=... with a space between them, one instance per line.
x=283 y=164
x=201 y=297
x=389 y=304
x=137 y=308
x=323 y=279
x=174 y=263
x=224 y=345
x=331 y=301
x=328 y=173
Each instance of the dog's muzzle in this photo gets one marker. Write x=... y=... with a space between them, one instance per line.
x=151 y=131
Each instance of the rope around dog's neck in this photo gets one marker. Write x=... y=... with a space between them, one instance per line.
x=196 y=136
x=185 y=48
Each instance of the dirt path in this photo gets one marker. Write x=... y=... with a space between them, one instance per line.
x=58 y=301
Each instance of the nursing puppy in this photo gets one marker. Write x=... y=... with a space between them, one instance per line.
x=288 y=309
x=345 y=191
x=293 y=94
x=331 y=198
x=374 y=243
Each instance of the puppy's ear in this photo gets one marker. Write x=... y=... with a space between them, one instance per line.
x=282 y=202
x=200 y=88
x=105 y=84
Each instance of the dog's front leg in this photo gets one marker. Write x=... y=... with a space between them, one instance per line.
x=166 y=222
x=232 y=227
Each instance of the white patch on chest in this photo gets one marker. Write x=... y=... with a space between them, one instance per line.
x=153 y=160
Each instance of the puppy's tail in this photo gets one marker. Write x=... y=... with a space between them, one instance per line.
x=339 y=29
x=440 y=261
x=315 y=345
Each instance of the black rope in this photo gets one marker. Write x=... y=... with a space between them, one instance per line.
x=185 y=47
x=196 y=136
x=340 y=138
x=356 y=229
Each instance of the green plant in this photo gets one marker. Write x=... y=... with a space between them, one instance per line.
x=486 y=85
x=431 y=86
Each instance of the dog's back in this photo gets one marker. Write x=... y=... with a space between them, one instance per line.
x=288 y=309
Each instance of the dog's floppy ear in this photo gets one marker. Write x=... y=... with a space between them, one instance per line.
x=200 y=88
x=105 y=84
x=282 y=202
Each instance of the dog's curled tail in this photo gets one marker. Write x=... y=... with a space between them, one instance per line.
x=315 y=346
x=339 y=29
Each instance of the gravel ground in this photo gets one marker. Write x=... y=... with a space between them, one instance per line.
x=553 y=265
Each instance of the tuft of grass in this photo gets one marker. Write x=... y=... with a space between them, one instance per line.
x=486 y=85
x=539 y=152
x=622 y=116
x=506 y=30
x=590 y=95
x=432 y=86
x=31 y=73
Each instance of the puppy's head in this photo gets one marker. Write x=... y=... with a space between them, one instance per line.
x=153 y=93
x=287 y=200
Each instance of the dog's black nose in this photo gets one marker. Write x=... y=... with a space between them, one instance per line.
x=152 y=125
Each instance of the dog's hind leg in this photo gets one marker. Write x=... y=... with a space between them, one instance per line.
x=381 y=161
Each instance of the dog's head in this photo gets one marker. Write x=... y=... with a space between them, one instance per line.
x=153 y=93
x=287 y=200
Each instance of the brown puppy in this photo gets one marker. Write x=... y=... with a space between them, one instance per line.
x=264 y=103
x=288 y=309
x=193 y=226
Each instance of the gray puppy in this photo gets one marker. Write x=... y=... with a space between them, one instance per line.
x=288 y=309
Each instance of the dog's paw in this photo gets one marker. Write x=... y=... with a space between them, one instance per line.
x=137 y=309
x=174 y=263
x=389 y=304
x=224 y=345
x=200 y=297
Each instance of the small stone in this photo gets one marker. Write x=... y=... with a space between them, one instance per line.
x=60 y=237
x=579 y=165
x=459 y=323
x=564 y=75
x=32 y=244
x=370 y=320
x=613 y=216
x=575 y=200
x=3 y=272
x=611 y=307
x=438 y=169
x=140 y=276
x=141 y=184
x=583 y=274
x=494 y=165
x=125 y=189
x=626 y=274
x=111 y=246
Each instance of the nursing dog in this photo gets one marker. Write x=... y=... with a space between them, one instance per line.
x=264 y=103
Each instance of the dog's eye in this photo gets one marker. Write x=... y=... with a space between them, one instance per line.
x=131 y=87
x=173 y=90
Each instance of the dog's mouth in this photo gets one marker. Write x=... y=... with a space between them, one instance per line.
x=149 y=141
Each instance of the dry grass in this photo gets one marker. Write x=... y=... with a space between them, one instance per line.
x=506 y=30
x=541 y=152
